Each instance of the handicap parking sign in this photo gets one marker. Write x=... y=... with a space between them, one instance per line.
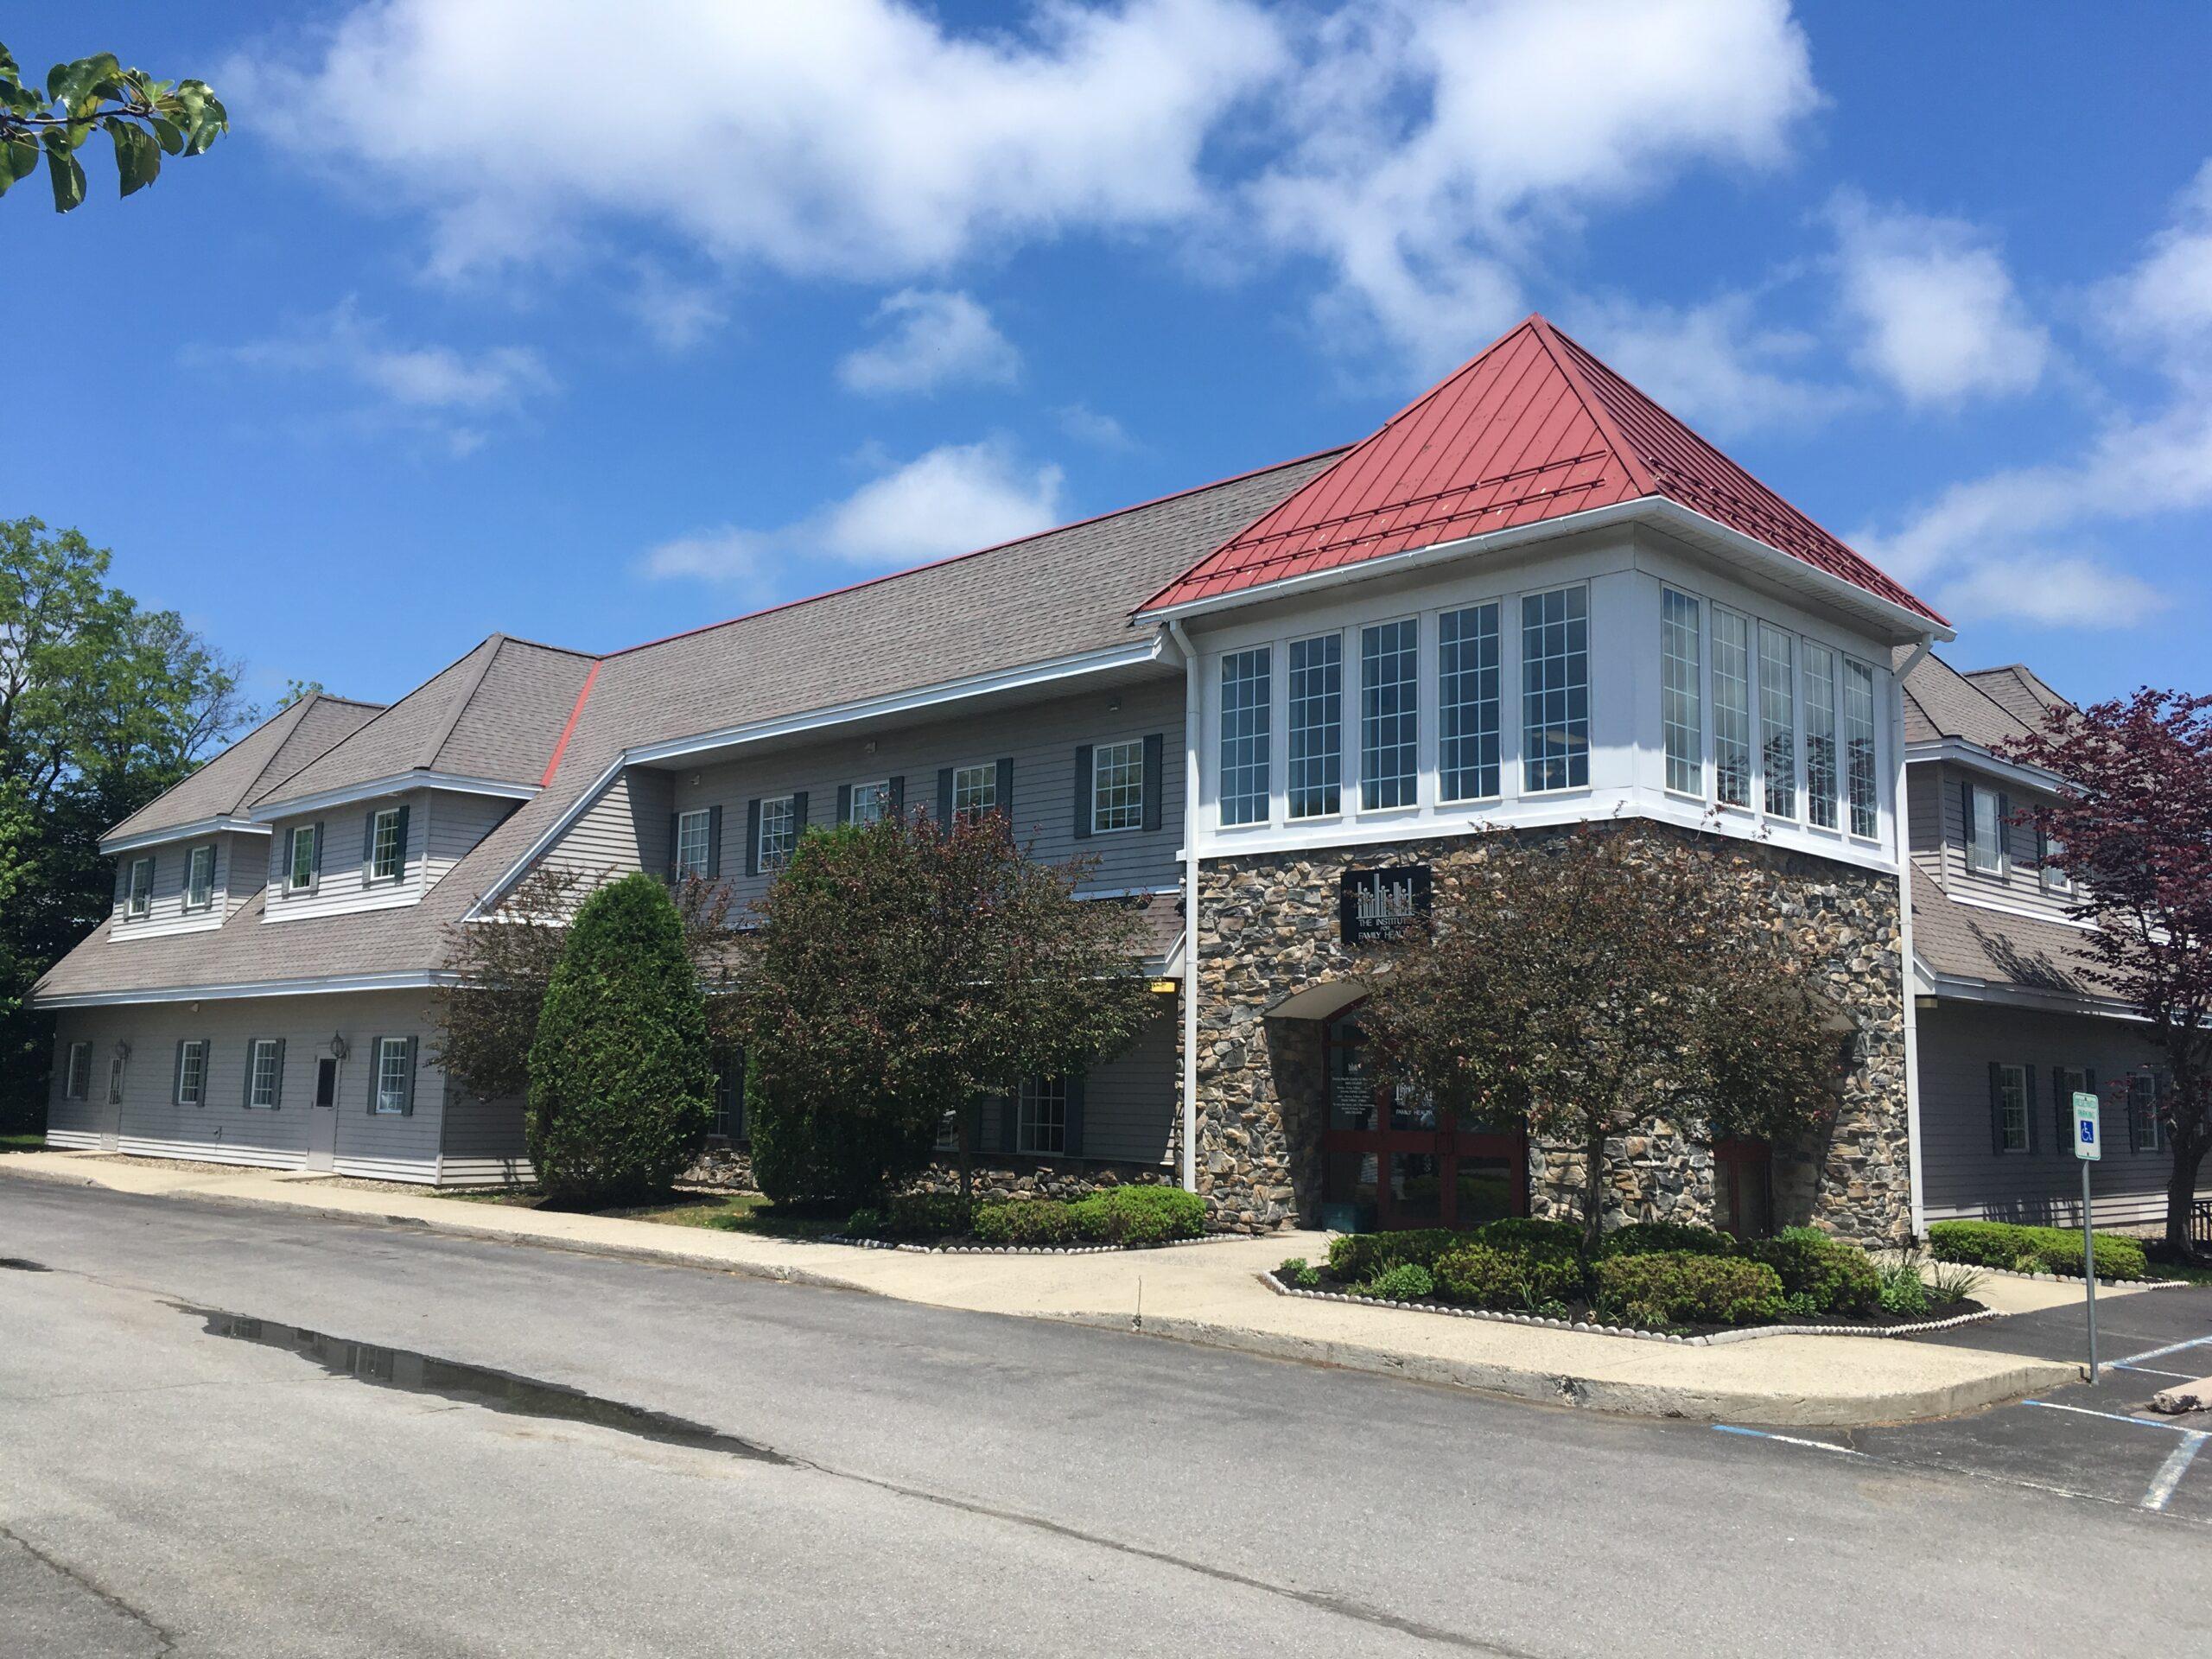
x=2086 y=1144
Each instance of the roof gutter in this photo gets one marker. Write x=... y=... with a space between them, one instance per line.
x=404 y=979
x=396 y=784
x=1974 y=757
x=218 y=826
x=1191 y=694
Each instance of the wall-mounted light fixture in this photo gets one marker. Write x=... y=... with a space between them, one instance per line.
x=122 y=1050
x=337 y=1046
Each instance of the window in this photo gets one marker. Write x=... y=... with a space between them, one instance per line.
x=1316 y=667
x=1117 y=787
x=1820 y=736
x=1555 y=690
x=1985 y=816
x=191 y=1071
x=2008 y=1107
x=1680 y=703
x=1466 y=703
x=1041 y=1116
x=1732 y=708
x=299 y=858
x=1389 y=715
x=1245 y=690
x=387 y=845
x=1778 y=720
x=727 y=1118
x=114 y=1067
x=2050 y=853
x=778 y=833
x=693 y=835
x=1858 y=744
x=974 y=792
x=264 y=1072
x=394 y=1082
x=77 y=1075
x=140 y=899
x=2145 y=1131
x=2066 y=1082
x=870 y=802
x=200 y=878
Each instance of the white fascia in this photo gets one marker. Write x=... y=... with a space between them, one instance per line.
x=192 y=831
x=1974 y=758
x=397 y=784
x=1958 y=988
x=405 y=980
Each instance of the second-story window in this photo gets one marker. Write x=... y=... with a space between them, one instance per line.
x=1859 y=745
x=1246 y=687
x=870 y=802
x=2051 y=854
x=300 y=857
x=1778 y=721
x=1389 y=715
x=974 y=792
x=1820 y=736
x=778 y=833
x=1732 y=708
x=693 y=834
x=1117 y=787
x=1680 y=695
x=387 y=845
x=139 y=897
x=200 y=878
x=1466 y=703
x=1555 y=690
x=1986 y=813
x=1315 y=668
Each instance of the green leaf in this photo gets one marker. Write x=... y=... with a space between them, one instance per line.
x=68 y=180
x=17 y=157
x=168 y=134
x=137 y=158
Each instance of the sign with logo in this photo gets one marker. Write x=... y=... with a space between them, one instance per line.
x=1382 y=904
x=2088 y=1146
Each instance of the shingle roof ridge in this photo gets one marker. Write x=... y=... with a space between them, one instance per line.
x=389 y=708
x=489 y=651
x=1967 y=680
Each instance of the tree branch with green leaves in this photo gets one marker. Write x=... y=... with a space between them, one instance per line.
x=144 y=118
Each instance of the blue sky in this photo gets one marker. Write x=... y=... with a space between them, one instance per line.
x=591 y=324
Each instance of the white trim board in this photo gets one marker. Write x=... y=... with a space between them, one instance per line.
x=399 y=782
x=194 y=831
x=1972 y=757
x=408 y=979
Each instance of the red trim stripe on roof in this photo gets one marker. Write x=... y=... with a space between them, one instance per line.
x=561 y=744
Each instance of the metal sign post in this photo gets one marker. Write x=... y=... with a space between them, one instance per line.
x=2087 y=1149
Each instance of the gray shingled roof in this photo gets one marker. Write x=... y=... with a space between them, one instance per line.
x=280 y=746
x=1940 y=701
x=1998 y=948
x=1054 y=594
x=2020 y=689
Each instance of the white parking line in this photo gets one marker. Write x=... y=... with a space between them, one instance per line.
x=2111 y=1417
x=2152 y=1371
x=2172 y=1470
x=2156 y=1353
x=1788 y=1440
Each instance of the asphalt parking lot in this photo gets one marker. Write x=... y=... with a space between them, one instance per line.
x=2101 y=1442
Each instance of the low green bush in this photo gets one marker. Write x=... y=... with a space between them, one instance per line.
x=1527 y=1229
x=1140 y=1215
x=1838 y=1277
x=2034 y=1249
x=1298 y=1273
x=1665 y=1237
x=1686 y=1287
x=1026 y=1221
x=1357 y=1257
x=913 y=1216
x=1903 y=1292
x=1508 y=1277
x=1979 y=1243
x=1402 y=1282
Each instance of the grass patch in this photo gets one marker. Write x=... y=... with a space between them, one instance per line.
x=22 y=1141
x=724 y=1212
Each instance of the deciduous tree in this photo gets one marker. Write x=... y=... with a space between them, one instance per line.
x=144 y=118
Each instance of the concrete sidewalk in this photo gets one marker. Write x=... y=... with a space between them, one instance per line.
x=1211 y=1293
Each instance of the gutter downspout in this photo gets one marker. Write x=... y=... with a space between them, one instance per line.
x=1903 y=831
x=1191 y=693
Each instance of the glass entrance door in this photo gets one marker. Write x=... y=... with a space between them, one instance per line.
x=1395 y=1164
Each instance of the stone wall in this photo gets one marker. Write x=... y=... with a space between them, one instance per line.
x=728 y=1167
x=1267 y=928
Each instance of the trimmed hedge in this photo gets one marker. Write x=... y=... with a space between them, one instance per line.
x=1668 y=1237
x=1685 y=1288
x=1508 y=1277
x=1122 y=1215
x=1140 y=1215
x=1359 y=1256
x=1832 y=1276
x=1025 y=1221
x=2035 y=1249
x=913 y=1216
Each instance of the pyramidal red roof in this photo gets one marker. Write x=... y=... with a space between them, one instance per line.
x=1533 y=428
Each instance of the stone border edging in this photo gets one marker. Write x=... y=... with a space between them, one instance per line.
x=1019 y=1249
x=1713 y=1340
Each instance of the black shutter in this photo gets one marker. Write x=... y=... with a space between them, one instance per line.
x=2028 y=1104
x=316 y=880
x=944 y=797
x=1966 y=804
x=1996 y=1108
x=2062 y=1113
x=1155 y=768
x=277 y=1089
x=898 y=790
x=176 y=1083
x=246 y=1097
x=1003 y=806
x=1072 y=1141
x=753 y=836
x=1009 y=1119
x=1083 y=792
x=401 y=875
x=407 y=1100
x=715 y=841
x=799 y=815
x=369 y=848
x=844 y=804
x=376 y=1071
x=2005 y=837
x=675 y=824
x=2135 y=1115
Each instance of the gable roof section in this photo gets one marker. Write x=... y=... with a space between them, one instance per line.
x=1940 y=703
x=2020 y=689
x=494 y=715
x=1535 y=429
x=287 y=740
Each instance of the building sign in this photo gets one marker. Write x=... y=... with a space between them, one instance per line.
x=1374 y=905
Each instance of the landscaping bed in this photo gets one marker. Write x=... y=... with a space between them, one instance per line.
x=2048 y=1252
x=1119 y=1218
x=1655 y=1278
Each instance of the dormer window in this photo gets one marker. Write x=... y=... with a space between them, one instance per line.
x=138 y=896
x=388 y=844
x=200 y=878
x=303 y=857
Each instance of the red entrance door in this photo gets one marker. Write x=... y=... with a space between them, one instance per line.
x=1392 y=1166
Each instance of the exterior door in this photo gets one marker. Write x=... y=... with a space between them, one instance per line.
x=1390 y=1164
x=322 y=1117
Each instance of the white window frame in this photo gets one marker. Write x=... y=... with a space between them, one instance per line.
x=1528 y=760
x=2053 y=879
x=2153 y=1132
x=1132 y=804
x=1474 y=706
x=1408 y=713
x=386 y=815
x=1681 y=707
x=1831 y=774
x=975 y=792
x=138 y=901
x=1845 y=752
x=1778 y=739
x=1260 y=736
x=1977 y=795
x=2009 y=1073
x=703 y=819
x=379 y=1094
x=1034 y=1103
x=778 y=833
x=260 y=1049
x=1728 y=737
x=77 y=1072
x=1329 y=759
x=195 y=897
x=877 y=789
x=192 y=1062
x=298 y=836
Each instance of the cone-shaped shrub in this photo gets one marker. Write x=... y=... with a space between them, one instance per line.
x=620 y=1080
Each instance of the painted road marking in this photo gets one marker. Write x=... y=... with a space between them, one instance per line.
x=2111 y=1417
x=1788 y=1440
x=2158 y=1353
x=2152 y=1371
x=2172 y=1470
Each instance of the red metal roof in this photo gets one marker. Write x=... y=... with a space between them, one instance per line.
x=1533 y=428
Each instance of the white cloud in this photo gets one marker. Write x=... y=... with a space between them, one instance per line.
x=1938 y=317
x=936 y=337
x=1715 y=365
x=2165 y=302
x=1093 y=426
x=677 y=314
x=2055 y=591
x=953 y=500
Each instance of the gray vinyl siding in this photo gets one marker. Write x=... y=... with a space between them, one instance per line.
x=624 y=831
x=482 y=1142
x=1939 y=818
x=457 y=823
x=1130 y=1102
x=341 y=887
x=224 y=1129
x=1965 y=1178
x=238 y=861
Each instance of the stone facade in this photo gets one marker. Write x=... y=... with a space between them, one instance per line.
x=1268 y=929
x=728 y=1167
